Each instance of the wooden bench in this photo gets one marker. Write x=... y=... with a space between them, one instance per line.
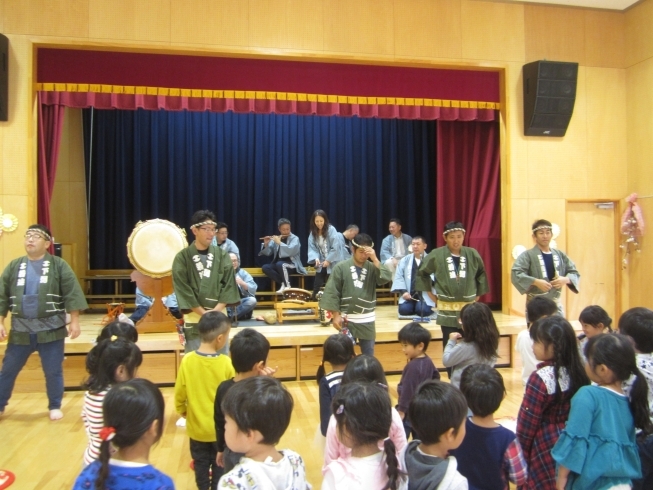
x=264 y=298
x=118 y=276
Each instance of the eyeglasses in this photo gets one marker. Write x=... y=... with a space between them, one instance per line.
x=33 y=236
x=206 y=229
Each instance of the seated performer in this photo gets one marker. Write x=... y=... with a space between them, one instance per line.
x=344 y=241
x=395 y=246
x=411 y=301
x=323 y=250
x=144 y=303
x=220 y=239
x=246 y=288
x=284 y=249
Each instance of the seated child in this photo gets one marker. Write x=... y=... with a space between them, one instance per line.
x=249 y=350
x=485 y=440
x=414 y=341
x=637 y=323
x=437 y=413
x=133 y=423
x=199 y=376
x=366 y=466
x=536 y=308
x=257 y=412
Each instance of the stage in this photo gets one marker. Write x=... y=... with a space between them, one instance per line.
x=296 y=348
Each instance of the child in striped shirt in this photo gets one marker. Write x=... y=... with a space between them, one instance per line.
x=111 y=361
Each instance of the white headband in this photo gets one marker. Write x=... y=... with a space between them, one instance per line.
x=208 y=222
x=542 y=227
x=359 y=246
x=453 y=229
x=39 y=231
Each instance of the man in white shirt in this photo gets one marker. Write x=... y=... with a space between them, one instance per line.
x=395 y=246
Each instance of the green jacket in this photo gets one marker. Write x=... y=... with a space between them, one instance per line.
x=193 y=291
x=60 y=292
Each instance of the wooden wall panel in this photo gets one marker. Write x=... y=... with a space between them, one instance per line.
x=598 y=280
x=137 y=20
x=557 y=162
x=605 y=39
x=294 y=24
x=285 y=359
x=492 y=31
x=212 y=22
x=158 y=367
x=516 y=142
x=639 y=80
x=639 y=39
x=364 y=26
x=606 y=142
x=554 y=33
x=310 y=358
x=391 y=356
x=2 y=19
x=14 y=152
x=47 y=18
x=421 y=33
x=68 y=204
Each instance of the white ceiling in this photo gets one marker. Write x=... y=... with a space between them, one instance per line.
x=596 y=4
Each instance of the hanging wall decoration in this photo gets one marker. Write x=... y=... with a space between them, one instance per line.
x=8 y=222
x=632 y=226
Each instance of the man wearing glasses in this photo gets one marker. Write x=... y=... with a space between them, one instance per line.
x=203 y=277
x=38 y=289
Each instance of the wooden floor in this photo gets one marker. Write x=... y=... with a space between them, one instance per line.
x=44 y=454
x=49 y=454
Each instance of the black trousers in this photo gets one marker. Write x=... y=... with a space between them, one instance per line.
x=446 y=331
x=207 y=473
x=320 y=280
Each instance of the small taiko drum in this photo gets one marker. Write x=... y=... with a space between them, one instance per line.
x=152 y=246
x=296 y=295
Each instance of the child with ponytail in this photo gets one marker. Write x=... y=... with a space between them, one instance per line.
x=597 y=449
x=111 y=361
x=338 y=350
x=133 y=423
x=363 y=416
x=549 y=390
x=363 y=369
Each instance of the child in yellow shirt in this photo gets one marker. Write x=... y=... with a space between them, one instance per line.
x=200 y=374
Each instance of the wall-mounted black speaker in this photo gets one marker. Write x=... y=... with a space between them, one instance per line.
x=4 y=78
x=549 y=96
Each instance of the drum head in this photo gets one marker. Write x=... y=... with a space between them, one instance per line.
x=152 y=246
x=296 y=294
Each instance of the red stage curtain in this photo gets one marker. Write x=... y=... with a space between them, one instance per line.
x=99 y=100
x=50 y=124
x=468 y=190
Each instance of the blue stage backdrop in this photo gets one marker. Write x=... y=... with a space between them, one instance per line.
x=252 y=169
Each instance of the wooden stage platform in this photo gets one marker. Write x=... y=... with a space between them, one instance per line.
x=296 y=349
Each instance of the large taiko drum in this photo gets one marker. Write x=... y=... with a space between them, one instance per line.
x=152 y=246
